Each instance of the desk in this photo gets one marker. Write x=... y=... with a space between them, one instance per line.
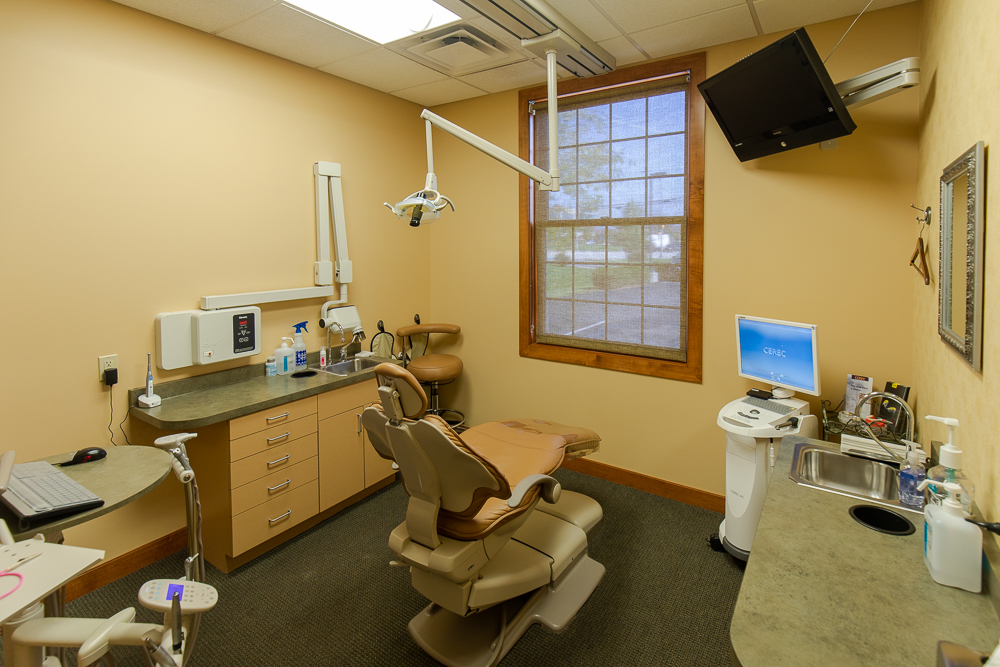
x=127 y=473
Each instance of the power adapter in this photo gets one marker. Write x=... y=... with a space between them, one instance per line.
x=111 y=377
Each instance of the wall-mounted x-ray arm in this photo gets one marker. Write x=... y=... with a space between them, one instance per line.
x=425 y=205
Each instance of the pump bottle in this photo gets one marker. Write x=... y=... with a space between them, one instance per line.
x=284 y=357
x=953 y=547
x=949 y=468
x=300 y=347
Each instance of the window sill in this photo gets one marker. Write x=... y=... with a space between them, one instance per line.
x=689 y=371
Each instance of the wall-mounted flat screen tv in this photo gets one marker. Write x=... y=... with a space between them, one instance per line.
x=777 y=99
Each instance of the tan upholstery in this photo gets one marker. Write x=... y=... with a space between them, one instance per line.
x=417 y=329
x=435 y=367
x=411 y=393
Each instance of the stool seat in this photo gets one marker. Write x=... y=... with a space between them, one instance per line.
x=435 y=367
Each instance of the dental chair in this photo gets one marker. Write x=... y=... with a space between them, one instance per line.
x=489 y=538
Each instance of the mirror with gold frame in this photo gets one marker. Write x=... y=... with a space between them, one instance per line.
x=960 y=297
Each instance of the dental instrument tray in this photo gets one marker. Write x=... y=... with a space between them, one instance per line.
x=38 y=491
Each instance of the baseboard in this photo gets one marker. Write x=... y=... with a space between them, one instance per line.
x=124 y=565
x=654 y=485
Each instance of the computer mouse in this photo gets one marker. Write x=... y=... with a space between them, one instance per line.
x=86 y=455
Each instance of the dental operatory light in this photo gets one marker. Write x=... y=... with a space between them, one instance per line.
x=381 y=21
x=427 y=204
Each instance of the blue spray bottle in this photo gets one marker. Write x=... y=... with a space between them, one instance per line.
x=300 y=347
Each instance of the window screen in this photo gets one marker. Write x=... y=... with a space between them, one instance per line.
x=611 y=246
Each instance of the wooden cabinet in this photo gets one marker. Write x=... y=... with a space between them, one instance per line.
x=261 y=475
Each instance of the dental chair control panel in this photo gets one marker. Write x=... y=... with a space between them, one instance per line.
x=754 y=428
x=195 y=597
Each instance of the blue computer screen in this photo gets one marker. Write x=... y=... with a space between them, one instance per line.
x=777 y=353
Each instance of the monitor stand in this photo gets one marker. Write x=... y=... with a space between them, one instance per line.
x=781 y=392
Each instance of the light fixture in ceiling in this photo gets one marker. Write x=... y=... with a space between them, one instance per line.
x=382 y=21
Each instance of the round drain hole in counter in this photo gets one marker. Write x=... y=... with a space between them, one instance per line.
x=881 y=519
x=304 y=374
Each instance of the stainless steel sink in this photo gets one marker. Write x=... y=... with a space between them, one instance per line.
x=350 y=367
x=830 y=470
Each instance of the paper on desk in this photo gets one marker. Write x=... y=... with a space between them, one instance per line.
x=857 y=385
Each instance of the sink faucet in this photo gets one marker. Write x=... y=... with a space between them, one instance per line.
x=871 y=434
x=328 y=330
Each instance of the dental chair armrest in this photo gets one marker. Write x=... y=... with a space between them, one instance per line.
x=550 y=489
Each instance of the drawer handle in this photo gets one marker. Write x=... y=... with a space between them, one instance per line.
x=359 y=423
x=275 y=488
x=281 y=416
x=279 y=518
x=281 y=460
x=278 y=437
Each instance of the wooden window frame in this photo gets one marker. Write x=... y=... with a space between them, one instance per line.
x=689 y=370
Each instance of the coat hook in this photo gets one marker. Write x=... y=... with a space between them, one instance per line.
x=926 y=220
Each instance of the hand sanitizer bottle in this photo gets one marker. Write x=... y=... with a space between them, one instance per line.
x=284 y=358
x=953 y=547
x=950 y=468
x=911 y=474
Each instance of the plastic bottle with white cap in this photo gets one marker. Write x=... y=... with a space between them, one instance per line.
x=284 y=357
x=953 y=547
x=949 y=468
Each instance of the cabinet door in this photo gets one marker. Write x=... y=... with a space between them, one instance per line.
x=341 y=459
x=376 y=467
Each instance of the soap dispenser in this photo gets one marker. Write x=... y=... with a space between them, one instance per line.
x=284 y=357
x=300 y=347
x=949 y=468
x=953 y=547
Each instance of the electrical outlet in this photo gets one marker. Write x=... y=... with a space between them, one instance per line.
x=106 y=363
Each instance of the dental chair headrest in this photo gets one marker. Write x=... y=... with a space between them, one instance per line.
x=411 y=395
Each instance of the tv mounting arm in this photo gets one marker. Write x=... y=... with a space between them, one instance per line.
x=427 y=204
x=879 y=83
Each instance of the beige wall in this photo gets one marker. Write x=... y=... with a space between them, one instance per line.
x=145 y=164
x=812 y=236
x=959 y=62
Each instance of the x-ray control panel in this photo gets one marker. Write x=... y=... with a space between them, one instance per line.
x=198 y=337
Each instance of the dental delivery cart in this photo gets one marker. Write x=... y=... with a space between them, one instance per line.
x=754 y=428
x=782 y=354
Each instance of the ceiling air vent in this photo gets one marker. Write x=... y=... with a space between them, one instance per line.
x=457 y=50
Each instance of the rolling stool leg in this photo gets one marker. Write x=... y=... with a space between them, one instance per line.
x=433 y=408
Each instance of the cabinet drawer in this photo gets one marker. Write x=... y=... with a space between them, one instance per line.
x=279 y=457
x=263 y=522
x=341 y=400
x=271 y=437
x=276 y=416
x=273 y=486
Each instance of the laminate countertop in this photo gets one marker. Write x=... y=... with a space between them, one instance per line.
x=208 y=399
x=821 y=589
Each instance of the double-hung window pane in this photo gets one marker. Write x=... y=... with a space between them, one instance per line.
x=611 y=245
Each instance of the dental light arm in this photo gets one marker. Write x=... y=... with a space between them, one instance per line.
x=427 y=203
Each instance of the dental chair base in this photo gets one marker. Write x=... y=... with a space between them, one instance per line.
x=547 y=557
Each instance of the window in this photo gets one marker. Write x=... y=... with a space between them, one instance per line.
x=611 y=264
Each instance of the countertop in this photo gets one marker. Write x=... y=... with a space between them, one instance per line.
x=126 y=474
x=821 y=589
x=204 y=401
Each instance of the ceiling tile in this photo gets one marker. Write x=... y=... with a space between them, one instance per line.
x=294 y=35
x=635 y=15
x=587 y=18
x=206 y=16
x=623 y=50
x=779 y=15
x=383 y=70
x=518 y=75
x=439 y=92
x=719 y=27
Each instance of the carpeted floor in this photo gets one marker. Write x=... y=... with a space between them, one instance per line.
x=328 y=597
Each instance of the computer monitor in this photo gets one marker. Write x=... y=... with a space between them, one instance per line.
x=780 y=353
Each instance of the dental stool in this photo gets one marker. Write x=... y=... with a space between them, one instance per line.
x=434 y=370
x=489 y=537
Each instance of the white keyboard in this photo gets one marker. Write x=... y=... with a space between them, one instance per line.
x=39 y=489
